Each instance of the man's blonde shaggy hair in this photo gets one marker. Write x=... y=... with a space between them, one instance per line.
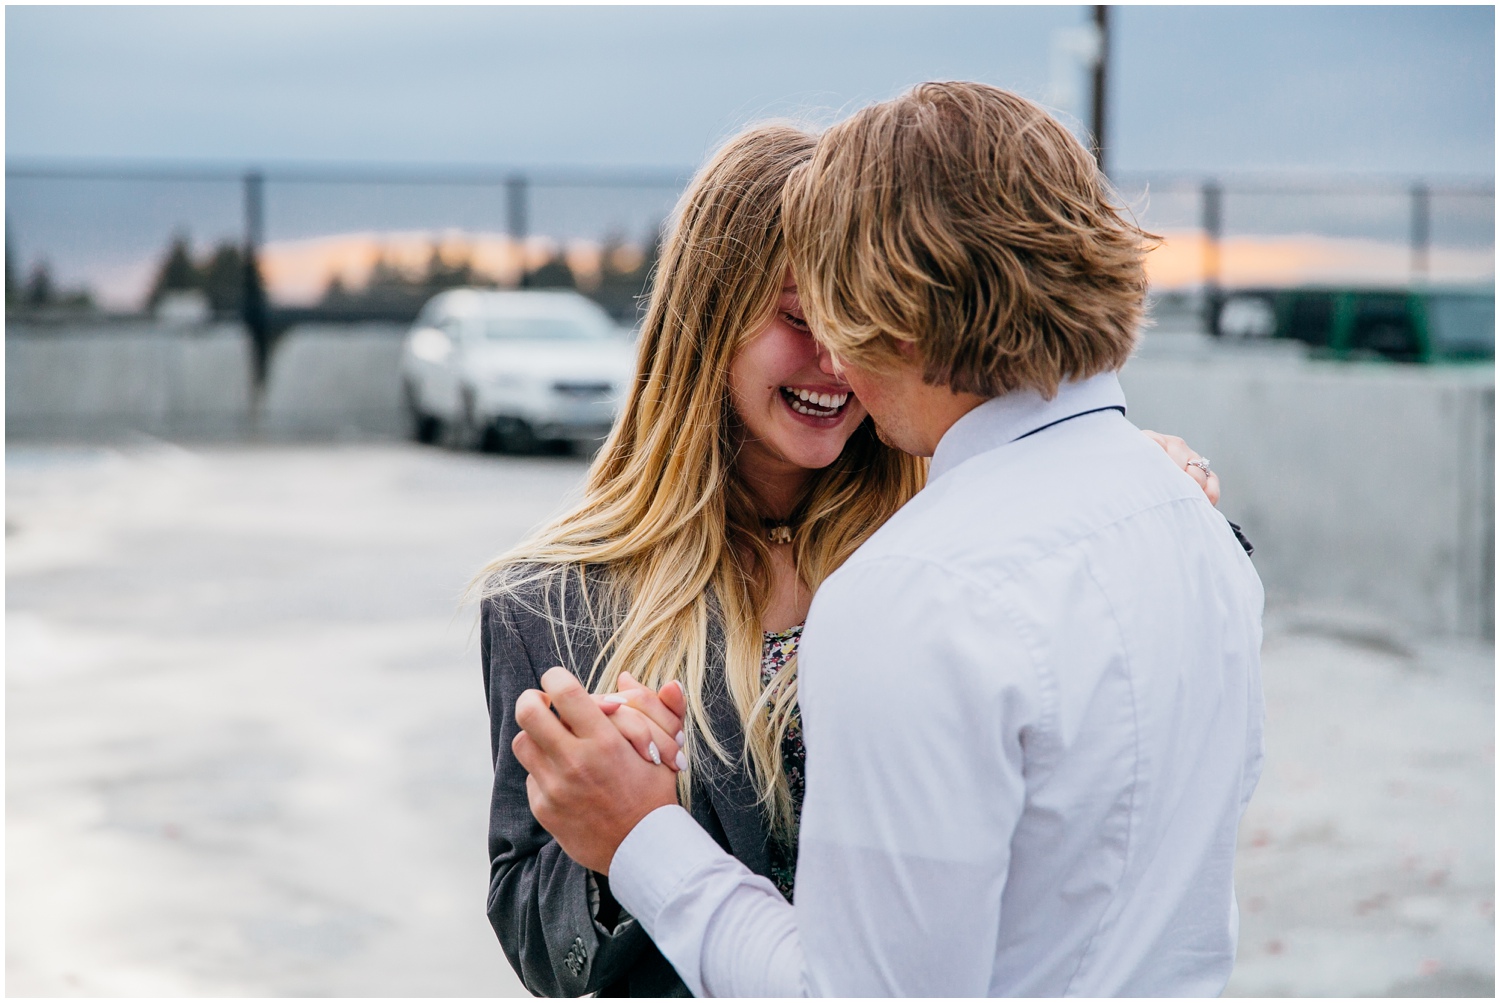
x=965 y=220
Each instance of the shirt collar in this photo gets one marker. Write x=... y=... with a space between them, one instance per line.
x=1008 y=417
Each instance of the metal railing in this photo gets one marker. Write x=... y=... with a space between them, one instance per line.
x=1213 y=207
x=1419 y=193
x=265 y=319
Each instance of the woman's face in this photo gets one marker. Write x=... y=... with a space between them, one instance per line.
x=794 y=410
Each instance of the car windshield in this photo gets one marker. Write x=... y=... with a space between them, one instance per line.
x=541 y=329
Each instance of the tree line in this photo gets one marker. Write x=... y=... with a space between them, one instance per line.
x=391 y=291
x=398 y=292
x=38 y=291
x=219 y=275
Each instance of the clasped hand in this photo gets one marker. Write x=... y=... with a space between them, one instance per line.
x=598 y=764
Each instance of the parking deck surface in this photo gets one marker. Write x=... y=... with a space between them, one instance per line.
x=247 y=747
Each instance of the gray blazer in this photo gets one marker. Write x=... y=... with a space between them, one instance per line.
x=538 y=897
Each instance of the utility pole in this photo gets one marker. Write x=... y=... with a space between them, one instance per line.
x=1101 y=85
x=253 y=304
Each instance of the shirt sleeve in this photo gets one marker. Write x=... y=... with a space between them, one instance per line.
x=914 y=694
x=726 y=929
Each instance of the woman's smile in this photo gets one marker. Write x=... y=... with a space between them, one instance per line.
x=791 y=404
x=817 y=404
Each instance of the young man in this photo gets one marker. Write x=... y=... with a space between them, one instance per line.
x=1031 y=701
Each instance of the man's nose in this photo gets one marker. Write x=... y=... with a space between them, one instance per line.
x=828 y=364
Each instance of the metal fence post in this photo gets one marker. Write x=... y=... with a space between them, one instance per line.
x=1101 y=82
x=1421 y=233
x=515 y=217
x=1213 y=231
x=253 y=306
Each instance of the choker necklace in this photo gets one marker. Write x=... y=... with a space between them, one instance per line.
x=777 y=532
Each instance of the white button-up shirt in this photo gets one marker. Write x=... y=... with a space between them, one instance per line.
x=1031 y=706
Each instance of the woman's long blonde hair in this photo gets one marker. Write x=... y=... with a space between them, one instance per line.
x=667 y=537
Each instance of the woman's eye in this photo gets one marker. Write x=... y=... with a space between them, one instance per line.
x=795 y=321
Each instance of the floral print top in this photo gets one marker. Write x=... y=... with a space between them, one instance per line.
x=777 y=649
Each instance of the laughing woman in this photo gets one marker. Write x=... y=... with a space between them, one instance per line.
x=741 y=474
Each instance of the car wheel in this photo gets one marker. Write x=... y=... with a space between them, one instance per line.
x=423 y=427
x=514 y=435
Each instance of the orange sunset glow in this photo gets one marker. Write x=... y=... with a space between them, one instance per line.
x=297 y=272
x=1305 y=259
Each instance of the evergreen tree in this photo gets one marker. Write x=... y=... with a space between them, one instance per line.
x=177 y=271
x=647 y=268
x=223 y=280
x=40 y=291
x=623 y=292
x=441 y=275
x=336 y=295
x=77 y=299
x=386 y=274
x=12 y=285
x=554 y=274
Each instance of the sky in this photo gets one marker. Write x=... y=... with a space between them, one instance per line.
x=1407 y=90
x=1394 y=92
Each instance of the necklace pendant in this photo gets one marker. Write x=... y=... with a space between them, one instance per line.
x=780 y=533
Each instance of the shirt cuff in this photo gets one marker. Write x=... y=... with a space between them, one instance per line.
x=658 y=854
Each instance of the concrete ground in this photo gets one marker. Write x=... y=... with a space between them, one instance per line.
x=247 y=745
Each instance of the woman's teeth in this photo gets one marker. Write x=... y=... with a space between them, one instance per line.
x=815 y=405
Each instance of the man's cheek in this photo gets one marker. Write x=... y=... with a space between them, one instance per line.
x=883 y=436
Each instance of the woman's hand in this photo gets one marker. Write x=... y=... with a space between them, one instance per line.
x=1182 y=454
x=650 y=721
x=585 y=784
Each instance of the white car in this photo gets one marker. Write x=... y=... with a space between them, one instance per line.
x=513 y=370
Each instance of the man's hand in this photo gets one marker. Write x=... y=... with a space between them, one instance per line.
x=587 y=785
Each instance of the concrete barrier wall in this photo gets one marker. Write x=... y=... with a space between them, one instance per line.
x=109 y=379
x=335 y=381
x=1367 y=490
